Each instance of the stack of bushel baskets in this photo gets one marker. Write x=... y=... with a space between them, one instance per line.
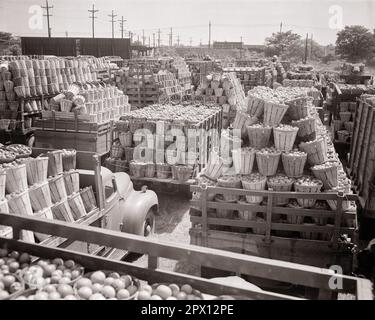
x=224 y=89
x=279 y=144
x=46 y=186
x=155 y=142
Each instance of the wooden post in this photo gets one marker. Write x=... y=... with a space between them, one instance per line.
x=338 y=220
x=204 y=216
x=152 y=262
x=269 y=218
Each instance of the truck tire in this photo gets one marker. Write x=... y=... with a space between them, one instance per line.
x=149 y=223
x=31 y=141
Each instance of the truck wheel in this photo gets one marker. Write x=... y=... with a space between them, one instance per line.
x=30 y=141
x=149 y=224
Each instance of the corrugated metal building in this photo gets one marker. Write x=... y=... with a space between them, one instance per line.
x=97 y=47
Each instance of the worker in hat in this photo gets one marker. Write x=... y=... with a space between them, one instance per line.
x=366 y=261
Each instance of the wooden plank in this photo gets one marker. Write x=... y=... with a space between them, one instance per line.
x=260 y=267
x=354 y=144
x=310 y=252
x=266 y=193
x=360 y=140
x=152 y=276
x=369 y=168
x=365 y=148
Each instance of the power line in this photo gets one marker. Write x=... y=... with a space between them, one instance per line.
x=93 y=17
x=113 y=16
x=122 y=29
x=48 y=15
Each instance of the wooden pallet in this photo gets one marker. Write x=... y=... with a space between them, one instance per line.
x=296 y=274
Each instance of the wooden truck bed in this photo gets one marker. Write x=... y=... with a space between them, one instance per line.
x=275 y=240
x=243 y=264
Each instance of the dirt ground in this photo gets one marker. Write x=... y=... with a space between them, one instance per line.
x=172 y=225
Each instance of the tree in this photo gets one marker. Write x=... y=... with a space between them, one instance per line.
x=280 y=41
x=355 y=43
x=9 y=45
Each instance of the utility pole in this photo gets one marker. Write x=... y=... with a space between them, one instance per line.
x=153 y=38
x=149 y=41
x=93 y=17
x=66 y=34
x=122 y=29
x=171 y=38
x=178 y=40
x=281 y=26
x=131 y=36
x=48 y=15
x=159 y=38
x=143 y=37
x=307 y=37
x=209 y=34
x=113 y=16
x=311 y=46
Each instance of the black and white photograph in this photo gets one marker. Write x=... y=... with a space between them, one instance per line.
x=207 y=151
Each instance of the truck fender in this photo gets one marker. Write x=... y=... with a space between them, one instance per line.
x=135 y=209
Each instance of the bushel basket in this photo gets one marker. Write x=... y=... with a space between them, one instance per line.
x=294 y=165
x=259 y=137
x=274 y=113
x=57 y=188
x=37 y=170
x=61 y=211
x=284 y=139
x=71 y=180
x=268 y=163
x=16 y=179
x=316 y=151
x=76 y=206
x=40 y=197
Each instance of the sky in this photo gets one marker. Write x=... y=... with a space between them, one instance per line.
x=253 y=20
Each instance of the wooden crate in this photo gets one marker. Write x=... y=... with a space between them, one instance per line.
x=93 y=141
x=296 y=274
x=362 y=152
x=286 y=247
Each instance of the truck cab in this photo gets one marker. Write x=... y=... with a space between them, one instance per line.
x=119 y=207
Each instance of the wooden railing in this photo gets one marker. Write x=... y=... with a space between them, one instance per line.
x=269 y=211
x=259 y=267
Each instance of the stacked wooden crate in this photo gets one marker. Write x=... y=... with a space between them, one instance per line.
x=362 y=152
x=222 y=89
x=249 y=77
x=343 y=108
x=200 y=69
x=146 y=83
x=159 y=139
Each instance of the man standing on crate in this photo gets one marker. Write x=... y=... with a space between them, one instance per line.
x=366 y=261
